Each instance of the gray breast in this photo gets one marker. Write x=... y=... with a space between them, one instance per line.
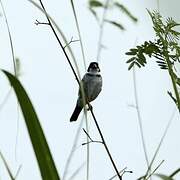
x=92 y=84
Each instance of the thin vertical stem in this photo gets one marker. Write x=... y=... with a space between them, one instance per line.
x=101 y=31
x=173 y=82
x=72 y=151
x=84 y=61
x=139 y=118
x=79 y=34
x=10 y=39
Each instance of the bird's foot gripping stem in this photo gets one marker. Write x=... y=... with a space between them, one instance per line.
x=89 y=107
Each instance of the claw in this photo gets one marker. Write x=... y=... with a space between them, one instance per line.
x=89 y=107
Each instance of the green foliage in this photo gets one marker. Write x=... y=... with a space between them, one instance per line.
x=150 y=49
x=165 y=49
x=118 y=25
x=38 y=140
x=94 y=4
x=126 y=11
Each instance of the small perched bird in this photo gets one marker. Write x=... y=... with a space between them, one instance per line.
x=92 y=84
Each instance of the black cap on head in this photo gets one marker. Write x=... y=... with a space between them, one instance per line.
x=93 y=65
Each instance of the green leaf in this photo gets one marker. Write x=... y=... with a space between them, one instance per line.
x=131 y=65
x=164 y=177
x=132 y=51
x=118 y=25
x=131 y=59
x=141 y=58
x=126 y=11
x=137 y=64
x=43 y=155
x=95 y=3
x=178 y=81
x=172 y=97
x=94 y=13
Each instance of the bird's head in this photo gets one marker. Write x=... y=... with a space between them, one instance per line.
x=93 y=67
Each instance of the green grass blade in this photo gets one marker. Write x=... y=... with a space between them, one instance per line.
x=43 y=155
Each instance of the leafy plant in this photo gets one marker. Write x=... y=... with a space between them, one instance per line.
x=164 y=49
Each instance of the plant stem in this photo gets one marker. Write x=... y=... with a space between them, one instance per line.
x=79 y=34
x=139 y=118
x=171 y=73
x=174 y=173
x=96 y=123
x=104 y=143
x=10 y=39
x=84 y=61
x=102 y=30
x=50 y=24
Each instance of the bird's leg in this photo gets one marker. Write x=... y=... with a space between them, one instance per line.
x=89 y=107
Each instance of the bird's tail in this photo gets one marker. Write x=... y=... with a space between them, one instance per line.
x=76 y=113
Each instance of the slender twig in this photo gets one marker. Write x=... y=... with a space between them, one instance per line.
x=57 y=38
x=82 y=90
x=76 y=172
x=160 y=143
x=10 y=38
x=126 y=172
x=14 y=67
x=139 y=118
x=72 y=151
x=5 y=99
x=7 y=167
x=71 y=41
x=171 y=73
x=105 y=145
x=155 y=170
x=91 y=140
x=40 y=23
x=119 y=173
x=61 y=33
x=13 y=60
x=122 y=172
x=18 y=171
x=170 y=70
x=79 y=34
x=96 y=123
x=87 y=134
x=101 y=31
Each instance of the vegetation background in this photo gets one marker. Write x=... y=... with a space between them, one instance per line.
x=51 y=86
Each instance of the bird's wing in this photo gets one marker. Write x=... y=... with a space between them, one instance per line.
x=84 y=83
